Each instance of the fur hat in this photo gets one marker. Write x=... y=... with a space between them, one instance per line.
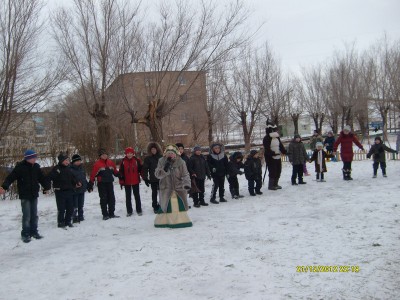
x=129 y=150
x=347 y=128
x=171 y=148
x=253 y=152
x=102 y=151
x=61 y=157
x=196 y=148
x=156 y=146
x=76 y=157
x=29 y=154
x=319 y=144
x=378 y=138
x=179 y=145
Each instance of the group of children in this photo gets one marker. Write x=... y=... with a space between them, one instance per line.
x=70 y=182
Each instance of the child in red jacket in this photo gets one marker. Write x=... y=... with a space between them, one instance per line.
x=130 y=170
x=103 y=170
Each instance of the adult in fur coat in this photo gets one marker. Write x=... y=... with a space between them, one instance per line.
x=174 y=184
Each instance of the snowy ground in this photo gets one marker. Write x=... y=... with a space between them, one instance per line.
x=243 y=249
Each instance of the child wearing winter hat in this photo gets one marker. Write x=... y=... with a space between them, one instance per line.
x=378 y=152
x=199 y=171
x=218 y=164
x=319 y=157
x=297 y=156
x=130 y=170
x=253 y=173
x=234 y=165
x=79 y=193
x=64 y=184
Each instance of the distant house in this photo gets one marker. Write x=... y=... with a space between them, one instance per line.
x=185 y=100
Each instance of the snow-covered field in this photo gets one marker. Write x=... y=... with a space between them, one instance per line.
x=244 y=249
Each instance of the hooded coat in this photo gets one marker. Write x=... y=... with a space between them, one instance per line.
x=234 y=166
x=377 y=152
x=175 y=179
x=346 y=145
x=218 y=163
x=151 y=161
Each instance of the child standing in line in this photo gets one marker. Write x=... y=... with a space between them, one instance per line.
x=79 y=193
x=378 y=152
x=218 y=164
x=319 y=157
x=130 y=170
x=297 y=156
x=234 y=165
x=199 y=171
x=253 y=173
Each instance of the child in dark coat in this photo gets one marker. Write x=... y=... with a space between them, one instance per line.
x=234 y=165
x=253 y=173
x=64 y=185
x=199 y=171
x=378 y=152
x=218 y=164
x=79 y=193
x=319 y=157
x=297 y=156
x=28 y=175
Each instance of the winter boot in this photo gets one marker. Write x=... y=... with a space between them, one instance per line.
x=349 y=175
x=317 y=177
x=26 y=239
x=294 y=181
x=271 y=185
x=301 y=180
x=278 y=187
x=212 y=200
x=259 y=193
x=344 y=174
x=322 y=177
x=196 y=200
x=37 y=236
x=222 y=200
x=384 y=172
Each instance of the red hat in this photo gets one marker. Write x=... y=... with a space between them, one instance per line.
x=129 y=150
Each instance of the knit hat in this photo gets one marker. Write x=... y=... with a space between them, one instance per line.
x=129 y=150
x=179 y=145
x=253 y=152
x=29 y=154
x=297 y=136
x=61 y=157
x=102 y=151
x=347 y=127
x=319 y=144
x=171 y=148
x=76 y=157
x=196 y=148
x=378 y=138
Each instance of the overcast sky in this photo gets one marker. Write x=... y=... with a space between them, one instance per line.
x=304 y=32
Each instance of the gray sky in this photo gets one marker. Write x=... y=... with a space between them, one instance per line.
x=303 y=32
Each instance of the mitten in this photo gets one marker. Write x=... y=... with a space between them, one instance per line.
x=368 y=155
x=167 y=164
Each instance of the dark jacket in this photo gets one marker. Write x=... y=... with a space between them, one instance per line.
x=129 y=171
x=346 y=145
x=253 y=168
x=234 y=166
x=198 y=165
x=218 y=163
x=185 y=158
x=28 y=177
x=314 y=140
x=297 y=153
x=378 y=152
x=63 y=178
x=329 y=141
x=150 y=163
x=104 y=170
x=80 y=175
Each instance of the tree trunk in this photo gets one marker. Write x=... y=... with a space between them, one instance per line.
x=210 y=127
x=321 y=121
x=295 y=119
x=103 y=133
x=246 y=132
x=384 y=114
x=315 y=119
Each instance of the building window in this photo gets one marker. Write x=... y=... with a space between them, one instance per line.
x=182 y=80
x=184 y=117
x=183 y=98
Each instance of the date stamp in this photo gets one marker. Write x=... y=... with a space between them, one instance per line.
x=328 y=269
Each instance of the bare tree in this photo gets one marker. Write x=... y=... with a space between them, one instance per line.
x=184 y=39
x=294 y=103
x=245 y=91
x=26 y=79
x=98 y=39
